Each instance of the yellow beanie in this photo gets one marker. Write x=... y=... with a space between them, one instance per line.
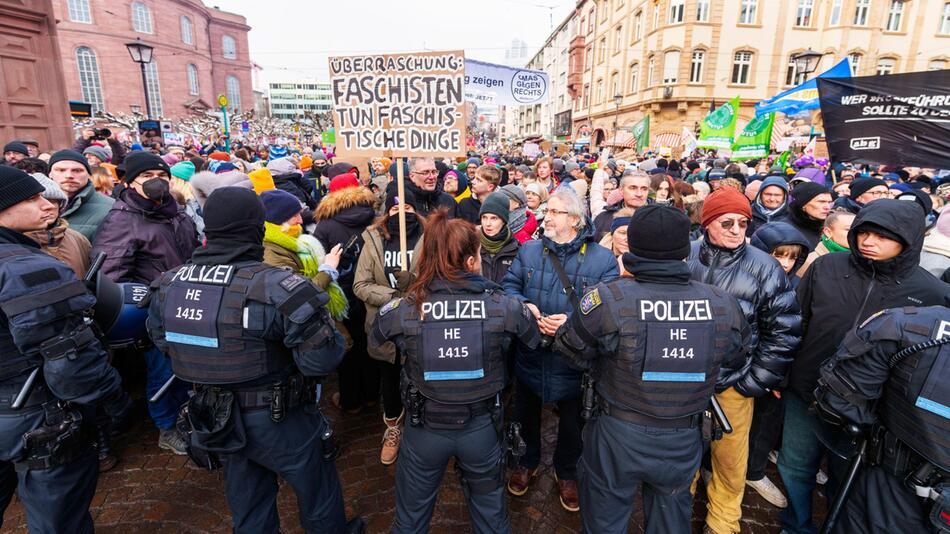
x=262 y=180
x=305 y=163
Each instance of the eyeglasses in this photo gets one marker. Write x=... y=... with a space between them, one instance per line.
x=727 y=225
x=876 y=194
x=429 y=172
x=557 y=212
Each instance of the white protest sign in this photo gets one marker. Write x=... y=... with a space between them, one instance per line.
x=506 y=86
x=400 y=104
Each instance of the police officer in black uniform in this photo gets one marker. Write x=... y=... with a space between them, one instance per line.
x=888 y=382
x=53 y=370
x=655 y=341
x=251 y=337
x=454 y=328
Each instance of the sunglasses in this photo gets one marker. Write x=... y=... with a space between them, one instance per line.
x=727 y=225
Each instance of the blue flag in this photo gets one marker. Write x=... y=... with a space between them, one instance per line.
x=802 y=97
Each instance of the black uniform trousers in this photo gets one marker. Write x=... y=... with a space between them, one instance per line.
x=880 y=503
x=8 y=482
x=423 y=456
x=618 y=457
x=291 y=449
x=56 y=499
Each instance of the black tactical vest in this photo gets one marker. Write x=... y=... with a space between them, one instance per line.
x=204 y=315
x=455 y=353
x=916 y=401
x=14 y=365
x=672 y=340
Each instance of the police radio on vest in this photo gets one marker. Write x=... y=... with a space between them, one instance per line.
x=675 y=310
x=441 y=310
x=205 y=274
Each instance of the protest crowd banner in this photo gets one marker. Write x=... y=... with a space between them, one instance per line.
x=719 y=127
x=401 y=105
x=487 y=83
x=755 y=140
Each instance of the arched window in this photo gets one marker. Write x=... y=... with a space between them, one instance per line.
x=154 y=89
x=634 y=78
x=79 y=11
x=192 y=79
x=671 y=67
x=89 y=82
x=234 y=93
x=187 y=31
x=696 y=66
x=651 y=72
x=886 y=65
x=141 y=18
x=228 y=47
x=741 y=67
x=855 y=59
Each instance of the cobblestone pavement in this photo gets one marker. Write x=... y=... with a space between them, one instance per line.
x=155 y=491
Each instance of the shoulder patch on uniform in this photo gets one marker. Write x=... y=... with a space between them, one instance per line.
x=390 y=306
x=292 y=282
x=873 y=316
x=590 y=301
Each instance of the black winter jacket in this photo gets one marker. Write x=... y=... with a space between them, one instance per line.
x=768 y=302
x=603 y=219
x=428 y=201
x=810 y=228
x=341 y=218
x=840 y=291
x=295 y=184
x=496 y=267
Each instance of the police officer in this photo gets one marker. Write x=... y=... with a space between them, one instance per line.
x=454 y=328
x=53 y=369
x=250 y=337
x=655 y=341
x=888 y=380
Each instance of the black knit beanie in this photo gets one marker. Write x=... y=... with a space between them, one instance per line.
x=16 y=186
x=140 y=161
x=234 y=213
x=69 y=155
x=659 y=232
x=805 y=192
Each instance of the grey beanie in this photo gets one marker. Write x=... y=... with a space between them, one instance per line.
x=98 y=152
x=515 y=193
x=53 y=191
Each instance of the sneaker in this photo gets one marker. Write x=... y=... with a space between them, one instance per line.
x=707 y=476
x=391 y=438
x=567 y=492
x=520 y=480
x=171 y=441
x=768 y=491
x=821 y=478
x=773 y=457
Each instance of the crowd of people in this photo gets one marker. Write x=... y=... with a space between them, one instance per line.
x=808 y=249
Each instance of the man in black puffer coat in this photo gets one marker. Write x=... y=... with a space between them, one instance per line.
x=423 y=182
x=838 y=293
x=723 y=259
x=342 y=216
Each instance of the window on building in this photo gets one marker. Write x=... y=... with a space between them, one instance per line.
x=886 y=66
x=586 y=95
x=937 y=64
x=677 y=11
x=671 y=67
x=187 y=31
x=233 y=87
x=741 y=67
x=154 y=89
x=835 y=18
x=656 y=16
x=855 y=60
x=618 y=39
x=747 y=11
x=791 y=71
x=599 y=94
x=894 y=15
x=861 y=8
x=602 y=53
x=603 y=9
x=634 y=78
x=696 y=66
x=637 y=25
x=89 y=82
x=804 y=12
x=590 y=21
x=228 y=47
x=588 y=58
x=192 y=79
x=651 y=71
x=702 y=10
x=141 y=18
x=614 y=84
x=79 y=11
x=584 y=23
x=945 y=20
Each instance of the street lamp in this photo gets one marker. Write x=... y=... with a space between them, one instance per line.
x=618 y=98
x=142 y=53
x=807 y=62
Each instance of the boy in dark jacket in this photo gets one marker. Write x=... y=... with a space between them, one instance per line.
x=837 y=293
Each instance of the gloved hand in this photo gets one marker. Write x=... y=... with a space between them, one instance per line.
x=404 y=279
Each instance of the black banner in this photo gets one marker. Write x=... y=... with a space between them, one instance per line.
x=899 y=119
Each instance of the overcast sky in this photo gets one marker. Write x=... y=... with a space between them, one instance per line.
x=292 y=39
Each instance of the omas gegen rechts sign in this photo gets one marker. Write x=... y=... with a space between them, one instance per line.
x=487 y=83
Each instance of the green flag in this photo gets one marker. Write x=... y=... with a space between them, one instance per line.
x=719 y=127
x=755 y=139
x=783 y=159
x=641 y=131
x=328 y=137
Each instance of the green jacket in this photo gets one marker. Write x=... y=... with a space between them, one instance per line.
x=86 y=210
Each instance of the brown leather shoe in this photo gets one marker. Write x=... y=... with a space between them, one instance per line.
x=520 y=479
x=567 y=491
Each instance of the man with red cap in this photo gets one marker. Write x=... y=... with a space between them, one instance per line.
x=723 y=259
